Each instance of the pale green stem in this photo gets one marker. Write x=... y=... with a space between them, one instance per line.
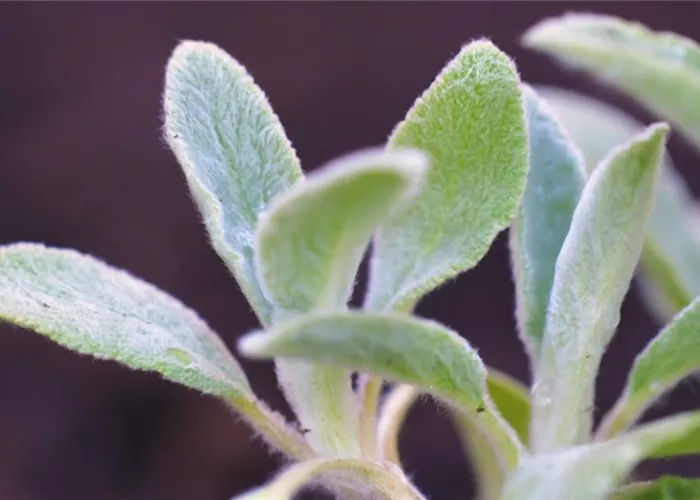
x=370 y=389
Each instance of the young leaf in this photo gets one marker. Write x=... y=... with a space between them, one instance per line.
x=592 y=472
x=555 y=181
x=377 y=480
x=671 y=254
x=593 y=273
x=232 y=149
x=311 y=239
x=665 y=488
x=669 y=358
x=396 y=347
x=474 y=185
x=661 y=71
x=92 y=308
x=309 y=244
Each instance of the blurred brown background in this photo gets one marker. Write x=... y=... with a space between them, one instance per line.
x=82 y=165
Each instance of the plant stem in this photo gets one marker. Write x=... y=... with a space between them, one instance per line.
x=370 y=389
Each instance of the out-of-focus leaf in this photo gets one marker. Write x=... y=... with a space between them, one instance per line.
x=661 y=71
x=471 y=123
x=232 y=149
x=593 y=274
x=377 y=480
x=669 y=358
x=555 y=181
x=665 y=488
x=593 y=472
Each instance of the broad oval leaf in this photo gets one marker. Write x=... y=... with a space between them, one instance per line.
x=593 y=274
x=593 y=472
x=87 y=306
x=670 y=357
x=309 y=244
x=671 y=254
x=555 y=181
x=232 y=149
x=661 y=71
x=396 y=347
x=471 y=123
x=377 y=480
x=665 y=488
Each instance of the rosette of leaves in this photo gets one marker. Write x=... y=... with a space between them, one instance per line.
x=477 y=151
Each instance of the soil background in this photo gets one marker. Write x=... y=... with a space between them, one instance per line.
x=83 y=165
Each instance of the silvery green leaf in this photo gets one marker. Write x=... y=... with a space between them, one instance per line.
x=592 y=276
x=396 y=347
x=232 y=150
x=311 y=239
x=377 y=480
x=556 y=177
x=664 y=488
x=309 y=244
x=594 y=471
x=660 y=70
x=471 y=123
x=671 y=254
x=670 y=357
x=87 y=306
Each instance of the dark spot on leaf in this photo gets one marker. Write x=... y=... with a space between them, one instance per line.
x=480 y=409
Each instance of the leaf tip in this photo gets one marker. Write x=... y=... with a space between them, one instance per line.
x=253 y=345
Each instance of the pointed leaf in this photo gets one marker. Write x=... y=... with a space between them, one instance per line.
x=374 y=478
x=555 y=181
x=309 y=245
x=92 y=308
x=660 y=70
x=593 y=274
x=670 y=357
x=471 y=123
x=232 y=149
x=665 y=488
x=671 y=254
x=396 y=347
x=593 y=472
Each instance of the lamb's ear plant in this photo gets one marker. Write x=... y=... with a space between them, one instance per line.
x=479 y=151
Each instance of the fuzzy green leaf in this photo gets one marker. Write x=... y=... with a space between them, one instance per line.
x=593 y=274
x=660 y=70
x=594 y=471
x=670 y=357
x=87 y=306
x=311 y=239
x=309 y=244
x=397 y=347
x=381 y=481
x=665 y=488
x=471 y=123
x=555 y=181
x=671 y=254
x=232 y=149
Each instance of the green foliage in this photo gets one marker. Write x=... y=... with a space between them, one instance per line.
x=477 y=151
x=671 y=253
x=593 y=273
x=473 y=187
x=232 y=149
x=660 y=70
x=555 y=181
